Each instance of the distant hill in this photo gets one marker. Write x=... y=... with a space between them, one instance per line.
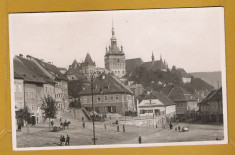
x=211 y=78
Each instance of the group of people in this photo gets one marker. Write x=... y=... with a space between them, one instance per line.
x=123 y=128
x=64 y=141
x=183 y=129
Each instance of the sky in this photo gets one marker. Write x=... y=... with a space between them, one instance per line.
x=189 y=38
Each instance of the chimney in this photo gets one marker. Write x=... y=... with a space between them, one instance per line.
x=21 y=55
x=28 y=57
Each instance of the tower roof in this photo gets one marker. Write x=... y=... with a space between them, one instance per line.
x=106 y=84
x=114 y=49
x=88 y=60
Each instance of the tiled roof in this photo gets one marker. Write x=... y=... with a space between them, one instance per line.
x=72 y=71
x=52 y=69
x=106 y=84
x=35 y=69
x=214 y=95
x=74 y=62
x=23 y=71
x=154 y=65
x=131 y=64
x=158 y=95
x=17 y=76
x=88 y=60
x=178 y=94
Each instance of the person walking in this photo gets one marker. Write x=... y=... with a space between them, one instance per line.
x=105 y=126
x=67 y=140
x=19 y=127
x=82 y=119
x=63 y=140
x=52 y=123
x=83 y=125
x=117 y=128
x=140 y=140
x=123 y=128
x=179 y=128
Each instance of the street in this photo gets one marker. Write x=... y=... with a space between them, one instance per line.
x=40 y=136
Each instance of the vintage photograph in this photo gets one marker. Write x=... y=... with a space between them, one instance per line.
x=124 y=78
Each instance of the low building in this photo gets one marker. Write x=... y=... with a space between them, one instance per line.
x=186 y=103
x=109 y=96
x=157 y=104
x=211 y=108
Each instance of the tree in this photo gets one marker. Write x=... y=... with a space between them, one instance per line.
x=24 y=114
x=75 y=87
x=50 y=108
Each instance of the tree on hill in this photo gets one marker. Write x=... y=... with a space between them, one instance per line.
x=197 y=84
x=50 y=108
x=150 y=79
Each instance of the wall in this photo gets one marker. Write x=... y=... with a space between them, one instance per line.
x=116 y=64
x=122 y=102
x=19 y=93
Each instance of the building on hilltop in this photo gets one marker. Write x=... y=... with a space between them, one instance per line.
x=109 y=96
x=184 y=76
x=78 y=71
x=115 y=58
x=131 y=64
x=154 y=65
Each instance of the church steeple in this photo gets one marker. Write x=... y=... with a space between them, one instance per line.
x=152 y=57
x=113 y=38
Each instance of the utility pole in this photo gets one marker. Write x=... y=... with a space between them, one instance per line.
x=93 y=110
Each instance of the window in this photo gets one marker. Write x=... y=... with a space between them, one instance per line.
x=105 y=98
x=117 y=97
x=32 y=107
x=111 y=98
x=98 y=99
x=32 y=95
x=123 y=72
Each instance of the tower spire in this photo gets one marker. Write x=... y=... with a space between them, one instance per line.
x=152 y=56
x=113 y=33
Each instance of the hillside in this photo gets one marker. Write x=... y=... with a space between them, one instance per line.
x=211 y=78
x=150 y=80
